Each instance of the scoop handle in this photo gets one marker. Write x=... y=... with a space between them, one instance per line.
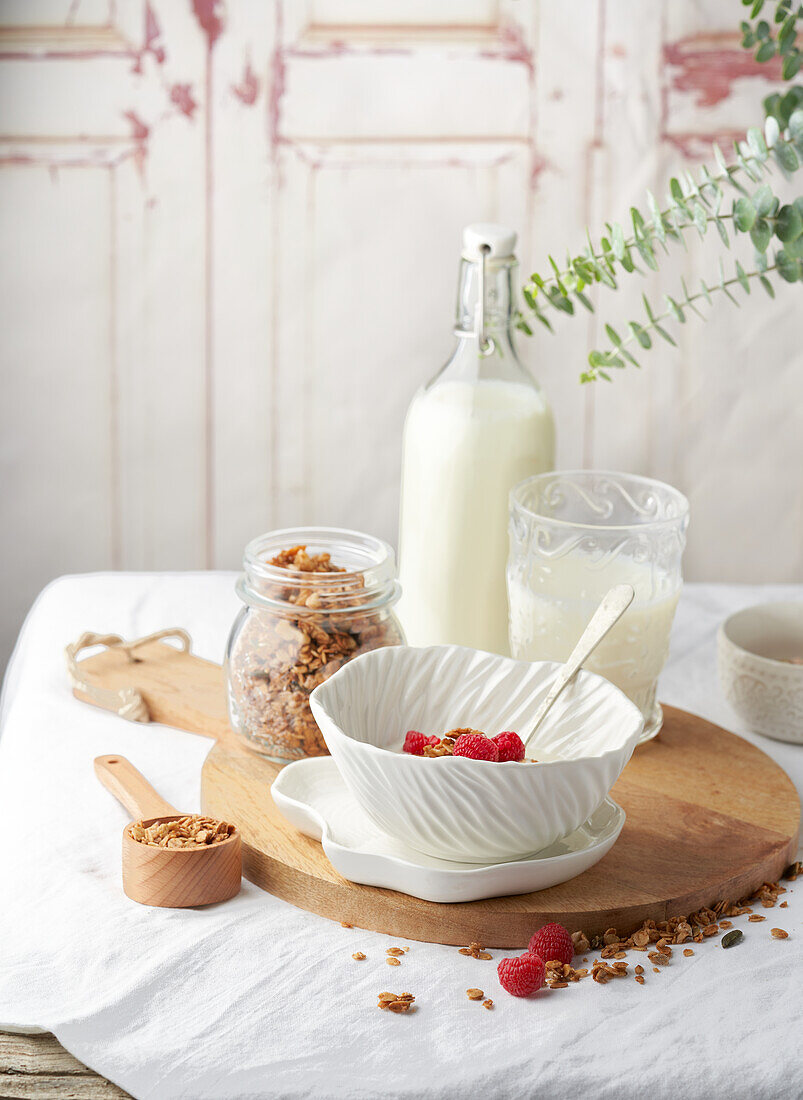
x=131 y=788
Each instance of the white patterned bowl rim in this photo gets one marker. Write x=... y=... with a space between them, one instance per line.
x=765 y=692
x=467 y=810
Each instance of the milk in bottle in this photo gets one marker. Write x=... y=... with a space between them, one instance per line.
x=479 y=427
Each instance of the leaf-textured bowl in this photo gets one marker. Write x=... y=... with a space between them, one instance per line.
x=470 y=810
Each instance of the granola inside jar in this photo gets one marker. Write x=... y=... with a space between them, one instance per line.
x=313 y=598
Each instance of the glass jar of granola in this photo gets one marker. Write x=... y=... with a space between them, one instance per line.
x=313 y=598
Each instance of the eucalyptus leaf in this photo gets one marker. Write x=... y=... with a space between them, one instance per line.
x=770 y=289
x=791 y=65
x=786 y=35
x=795 y=248
x=796 y=125
x=719 y=157
x=788 y=224
x=700 y=218
x=657 y=217
x=663 y=333
x=761 y=234
x=756 y=143
x=647 y=254
x=744 y=215
x=786 y=156
x=613 y=335
x=771 y=130
x=744 y=282
x=640 y=334
x=764 y=200
x=788 y=267
x=618 y=240
x=765 y=52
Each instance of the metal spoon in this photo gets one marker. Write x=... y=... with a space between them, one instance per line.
x=613 y=606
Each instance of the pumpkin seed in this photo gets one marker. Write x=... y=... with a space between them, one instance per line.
x=731 y=938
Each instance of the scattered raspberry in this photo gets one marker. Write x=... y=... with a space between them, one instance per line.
x=476 y=746
x=521 y=976
x=552 y=942
x=415 y=742
x=510 y=745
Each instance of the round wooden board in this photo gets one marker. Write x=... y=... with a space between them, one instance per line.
x=709 y=816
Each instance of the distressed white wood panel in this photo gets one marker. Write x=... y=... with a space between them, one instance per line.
x=246 y=266
x=561 y=202
x=55 y=416
x=160 y=243
x=376 y=96
x=256 y=185
x=382 y=327
x=64 y=13
x=633 y=424
x=354 y=14
x=738 y=437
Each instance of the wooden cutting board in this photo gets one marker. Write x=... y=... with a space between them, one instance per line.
x=709 y=817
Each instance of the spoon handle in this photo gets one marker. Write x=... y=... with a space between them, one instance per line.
x=614 y=604
x=131 y=788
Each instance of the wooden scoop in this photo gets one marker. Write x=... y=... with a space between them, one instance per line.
x=173 y=878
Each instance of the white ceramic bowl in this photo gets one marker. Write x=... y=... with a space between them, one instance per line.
x=470 y=810
x=754 y=649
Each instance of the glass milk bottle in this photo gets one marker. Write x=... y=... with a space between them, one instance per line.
x=472 y=433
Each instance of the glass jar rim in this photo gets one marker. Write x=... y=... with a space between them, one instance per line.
x=359 y=555
x=517 y=502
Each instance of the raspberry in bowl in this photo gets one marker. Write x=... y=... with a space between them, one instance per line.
x=461 y=807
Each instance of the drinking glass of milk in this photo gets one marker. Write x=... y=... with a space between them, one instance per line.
x=573 y=535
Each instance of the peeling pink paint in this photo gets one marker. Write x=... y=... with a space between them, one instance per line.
x=538 y=165
x=278 y=85
x=181 y=95
x=708 y=64
x=209 y=14
x=140 y=132
x=248 y=88
x=512 y=47
x=696 y=146
x=153 y=32
x=337 y=48
x=152 y=41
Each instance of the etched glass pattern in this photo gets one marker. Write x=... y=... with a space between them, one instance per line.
x=575 y=534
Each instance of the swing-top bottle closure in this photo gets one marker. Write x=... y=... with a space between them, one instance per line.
x=484 y=295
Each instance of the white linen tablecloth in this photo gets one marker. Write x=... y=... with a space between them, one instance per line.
x=255 y=998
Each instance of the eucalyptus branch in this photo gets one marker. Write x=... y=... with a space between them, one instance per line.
x=784 y=43
x=617 y=356
x=691 y=204
x=698 y=204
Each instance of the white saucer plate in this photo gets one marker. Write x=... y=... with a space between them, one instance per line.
x=313 y=797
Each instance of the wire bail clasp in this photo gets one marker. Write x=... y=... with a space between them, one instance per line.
x=485 y=344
